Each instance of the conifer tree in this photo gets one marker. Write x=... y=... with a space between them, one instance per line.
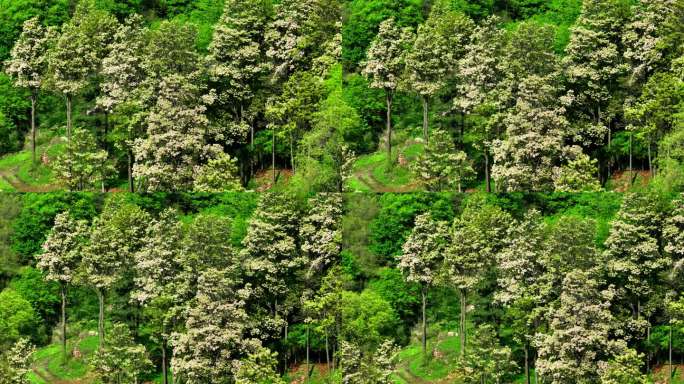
x=28 y=65
x=60 y=259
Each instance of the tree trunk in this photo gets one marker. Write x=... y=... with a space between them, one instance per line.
x=327 y=351
x=131 y=187
x=487 y=177
x=462 y=330
x=527 y=364
x=292 y=162
x=669 y=342
x=165 y=373
x=424 y=335
x=33 y=125
x=251 y=146
x=100 y=319
x=273 y=156
x=68 y=105
x=426 y=134
x=64 y=327
x=389 y=126
x=307 y=353
x=650 y=159
x=630 y=157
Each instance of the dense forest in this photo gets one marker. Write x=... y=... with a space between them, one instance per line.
x=355 y=288
x=342 y=191
x=342 y=95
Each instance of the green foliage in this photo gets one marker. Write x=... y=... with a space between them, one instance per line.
x=18 y=319
x=367 y=319
x=13 y=13
x=402 y=296
x=363 y=19
x=397 y=213
x=42 y=295
x=35 y=220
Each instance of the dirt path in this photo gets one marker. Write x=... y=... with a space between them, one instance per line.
x=10 y=177
x=369 y=180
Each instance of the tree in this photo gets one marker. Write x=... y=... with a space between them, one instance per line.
x=421 y=259
x=60 y=258
x=593 y=64
x=649 y=37
x=218 y=175
x=441 y=166
x=368 y=368
x=157 y=267
x=522 y=279
x=83 y=165
x=18 y=319
x=115 y=237
x=533 y=149
x=123 y=78
x=216 y=336
x=78 y=52
x=385 y=65
x=475 y=241
x=578 y=175
x=321 y=233
x=439 y=44
x=488 y=361
x=176 y=143
x=28 y=65
x=122 y=361
x=15 y=363
x=237 y=61
x=478 y=76
x=578 y=347
x=258 y=367
x=632 y=255
x=271 y=255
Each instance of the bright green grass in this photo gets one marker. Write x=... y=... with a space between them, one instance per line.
x=20 y=165
x=354 y=184
x=49 y=361
x=392 y=175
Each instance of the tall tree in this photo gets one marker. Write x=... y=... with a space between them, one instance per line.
x=108 y=257
x=478 y=77
x=522 y=281
x=475 y=241
x=15 y=363
x=28 y=65
x=488 y=362
x=123 y=75
x=60 y=259
x=633 y=258
x=237 y=62
x=176 y=144
x=84 y=165
x=157 y=267
x=385 y=64
x=578 y=346
x=431 y=62
x=216 y=335
x=123 y=361
x=77 y=54
x=421 y=259
x=321 y=232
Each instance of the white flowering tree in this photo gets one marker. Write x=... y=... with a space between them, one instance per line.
x=122 y=361
x=385 y=65
x=28 y=64
x=115 y=237
x=422 y=257
x=61 y=258
x=15 y=363
x=441 y=166
x=83 y=166
x=321 y=233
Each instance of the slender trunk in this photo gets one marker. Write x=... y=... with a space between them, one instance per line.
x=273 y=156
x=424 y=336
x=33 y=125
x=462 y=330
x=307 y=353
x=64 y=327
x=165 y=373
x=251 y=147
x=389 y=126
x=100 y=319
x=131 y=187
x=327 y=351
x=650 y=159
x=630 y=157
x=292 y=162
x=426 y=134
x=669 y=342
x=527 y=364
x=536 y=374
x=463 y=123
x=68 y=105
x=487 y=177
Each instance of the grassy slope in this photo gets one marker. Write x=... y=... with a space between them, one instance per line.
x=17 y=172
